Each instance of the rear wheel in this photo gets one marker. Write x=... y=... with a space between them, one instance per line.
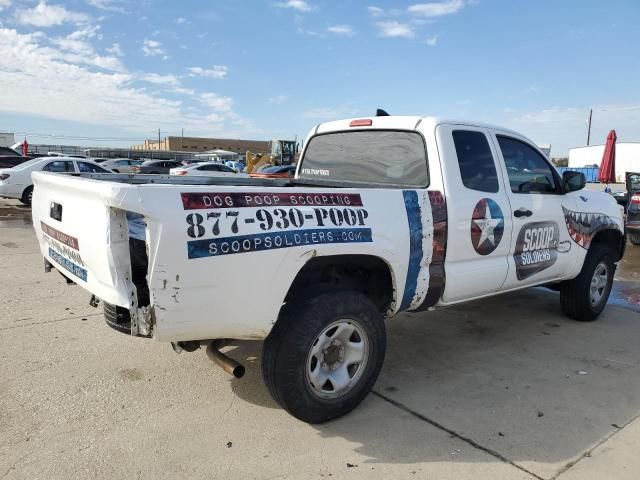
x=27 y=195
x=584 y=297
x=634 y=238
x=324 y=355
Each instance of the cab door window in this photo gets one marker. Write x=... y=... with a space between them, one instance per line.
x=528 y=170
x=477 y=167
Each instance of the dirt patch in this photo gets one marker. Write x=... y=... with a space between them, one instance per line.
x=131 y=374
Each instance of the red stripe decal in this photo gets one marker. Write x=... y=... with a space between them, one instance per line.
x=68 y=240
x=206 y=200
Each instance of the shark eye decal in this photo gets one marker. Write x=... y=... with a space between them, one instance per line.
x=583 y=226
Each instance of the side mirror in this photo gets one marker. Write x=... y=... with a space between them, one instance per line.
x=573 y=181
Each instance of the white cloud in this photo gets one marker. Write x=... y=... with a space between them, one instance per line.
x=346 y=30
x=299 y=5
x=392 y=29
x=436 y=9
x=278 y=99
x=116 y=50
x=532 y=89
x=43 y=81
x=4 y=4
x=216 y=102
x=152 y=48
x=181 y=20
x=217 y=71
x=75 y=48
x=157 y=79
x=375 y=11
x=107 y=5
x=310 y=33
x=431 y=41
x=45 y=15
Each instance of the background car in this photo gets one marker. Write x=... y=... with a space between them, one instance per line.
x=121 y=165
x=633 y=207
x=16 y=182
x=278 y=171
x=10 y=158
x=193 y=161
x=236 y=165
x=156 y=166
x=205 y=169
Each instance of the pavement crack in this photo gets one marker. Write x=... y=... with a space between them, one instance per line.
x=587 y=453
x=49 y=321
x=455 y=434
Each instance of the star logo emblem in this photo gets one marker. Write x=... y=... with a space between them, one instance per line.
x=487 y=226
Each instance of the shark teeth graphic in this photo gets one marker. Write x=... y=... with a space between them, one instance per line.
x=583 y=226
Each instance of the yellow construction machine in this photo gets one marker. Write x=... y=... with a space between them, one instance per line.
x=283 y=152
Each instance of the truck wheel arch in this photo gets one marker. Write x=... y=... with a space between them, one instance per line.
x=367 y=274
x=613 y=239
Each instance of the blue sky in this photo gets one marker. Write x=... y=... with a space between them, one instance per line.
x=118 y=71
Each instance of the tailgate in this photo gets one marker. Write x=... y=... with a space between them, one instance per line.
x=82 y=237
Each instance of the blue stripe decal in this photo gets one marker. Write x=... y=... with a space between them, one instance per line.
x=68 y=265
x=414 y=215
x=270 y=241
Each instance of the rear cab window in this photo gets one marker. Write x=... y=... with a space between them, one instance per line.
x=372 y=157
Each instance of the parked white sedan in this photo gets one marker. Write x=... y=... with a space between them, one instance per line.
x=16 y=182
x=209 y=169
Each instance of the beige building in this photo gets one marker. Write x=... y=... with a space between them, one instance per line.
x=200 y=144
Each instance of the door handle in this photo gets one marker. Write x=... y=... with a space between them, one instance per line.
x=522 y=212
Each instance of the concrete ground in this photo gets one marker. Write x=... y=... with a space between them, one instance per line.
x=500 y=388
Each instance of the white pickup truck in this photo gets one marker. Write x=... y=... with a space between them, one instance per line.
x=385 y=215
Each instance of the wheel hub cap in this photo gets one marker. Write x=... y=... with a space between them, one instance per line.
x=598 y=284
x=337 y=358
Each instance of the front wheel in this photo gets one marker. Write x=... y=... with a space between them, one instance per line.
x=324 y=355
x=634 y=238
x=584 y=297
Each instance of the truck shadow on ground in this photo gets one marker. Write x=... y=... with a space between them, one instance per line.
x=509 y=373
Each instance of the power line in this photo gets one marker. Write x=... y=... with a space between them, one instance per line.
x=77 y=137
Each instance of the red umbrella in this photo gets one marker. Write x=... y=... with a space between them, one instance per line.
x=25 y=147
x=607 y=173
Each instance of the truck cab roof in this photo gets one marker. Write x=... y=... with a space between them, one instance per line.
x=403 y=122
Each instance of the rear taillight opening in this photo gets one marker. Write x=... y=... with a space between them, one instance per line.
x=635 y=199
x=180 y=172
x=137 y=226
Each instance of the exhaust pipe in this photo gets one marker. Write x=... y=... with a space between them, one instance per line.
x=229 y=365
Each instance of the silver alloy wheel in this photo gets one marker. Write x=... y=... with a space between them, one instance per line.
x=337 y=359
x=598 y=284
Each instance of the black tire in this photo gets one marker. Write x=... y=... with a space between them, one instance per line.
x=575 y=295
x=27 y=195
x=286 y=353
x=634 y=238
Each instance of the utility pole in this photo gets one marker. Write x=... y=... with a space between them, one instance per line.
x=158 y=139
x=589 y=127
x=182 y=140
